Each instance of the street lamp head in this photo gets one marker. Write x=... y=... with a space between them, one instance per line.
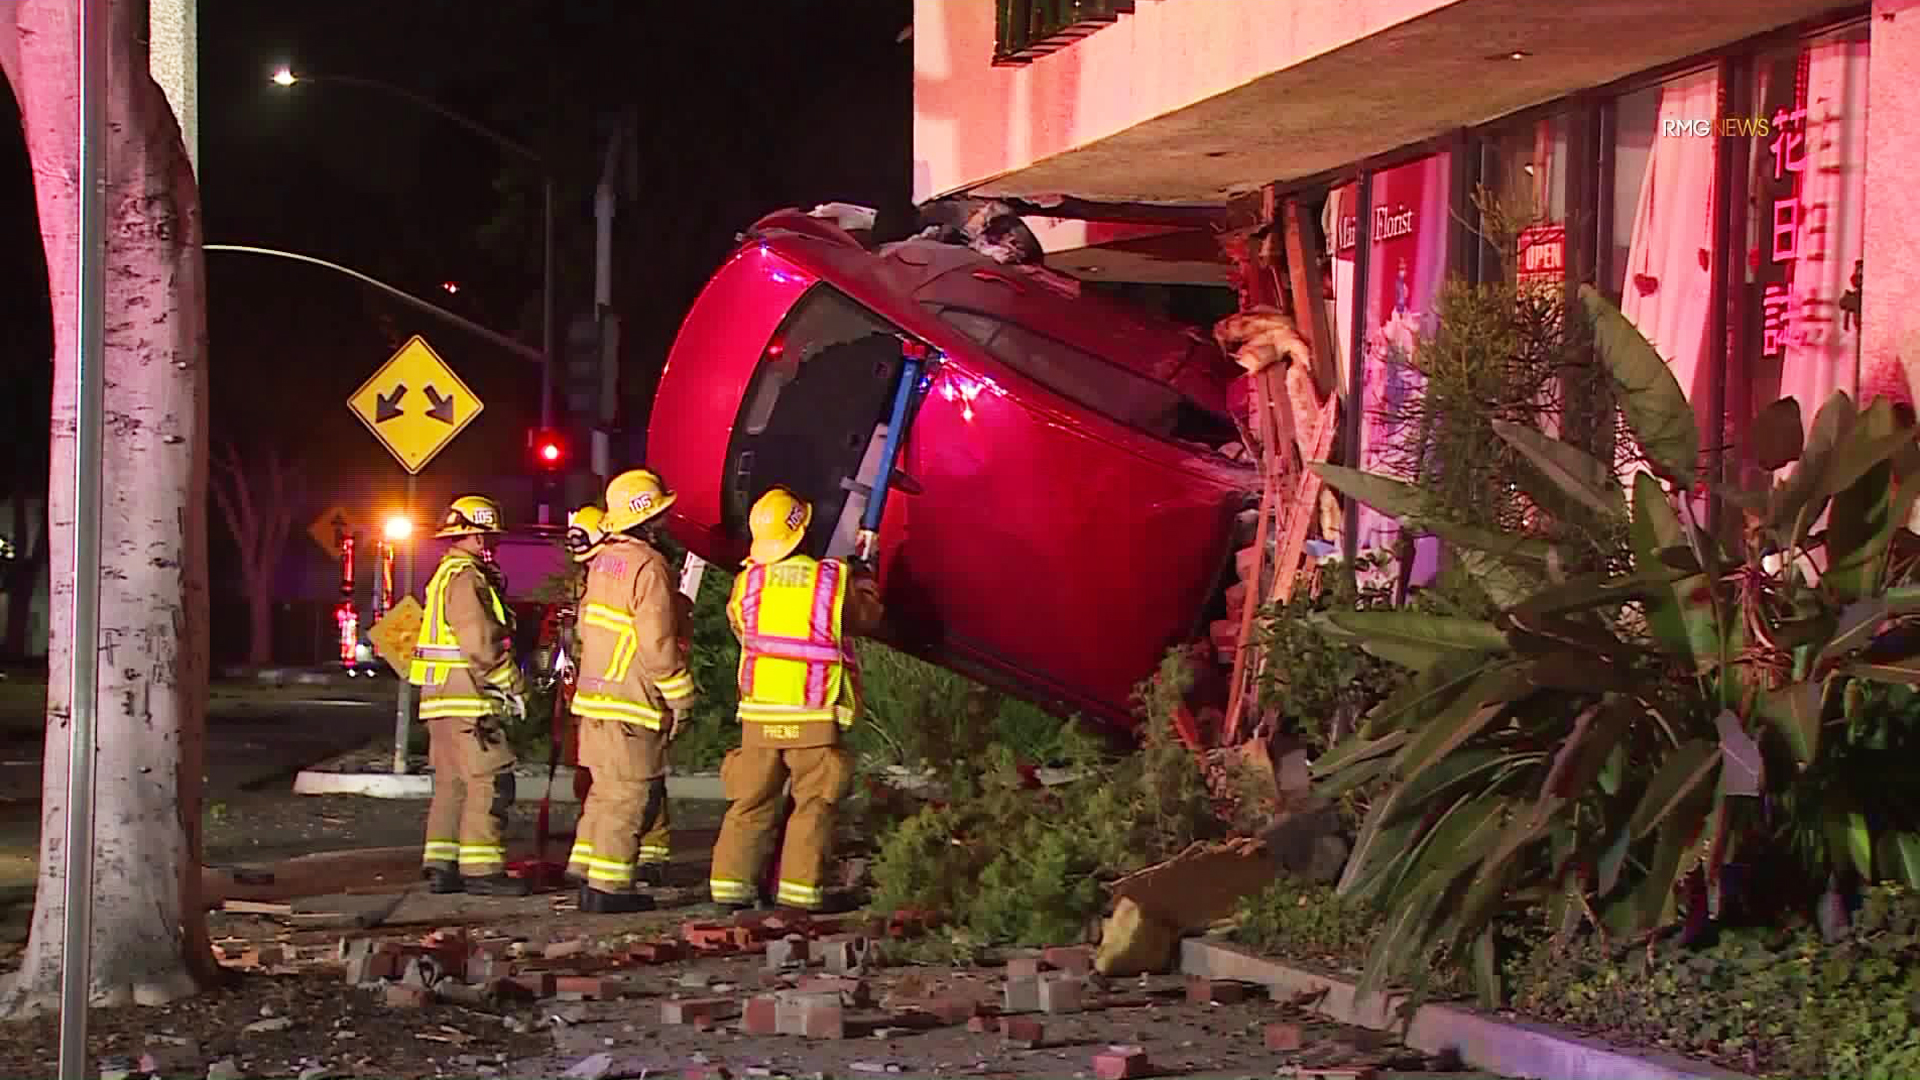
x=399 y=527
x=285 y=77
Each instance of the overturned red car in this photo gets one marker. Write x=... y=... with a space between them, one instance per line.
x=1057 y=512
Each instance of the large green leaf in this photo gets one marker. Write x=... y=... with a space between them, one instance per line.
x=1461 y=774
x=1856 y=626
x=1467 y=716
x=1904 y=850
x=1686 y=768
x=1681 y=616
x=1860 y=526
x=1794 y=711
x=1577 y=764
x=1650 y=397
x=1428 y=692
x=1357 y=748
x=1905 y=670
x=1583 y=477
x=1795 y=499
x=1420 y=630
x=1512 y=547
x=1593 y=592
x=1506 y=583
x=1394 y=498
x=1651 y=902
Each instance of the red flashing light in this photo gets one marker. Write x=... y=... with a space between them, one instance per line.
x=548 y=450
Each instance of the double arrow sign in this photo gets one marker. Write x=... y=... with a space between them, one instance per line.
x=387 y=406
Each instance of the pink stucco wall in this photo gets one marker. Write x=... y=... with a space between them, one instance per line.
x=1889 y=320
x=973 y=121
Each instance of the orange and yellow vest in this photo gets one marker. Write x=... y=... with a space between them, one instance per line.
x=799 y=683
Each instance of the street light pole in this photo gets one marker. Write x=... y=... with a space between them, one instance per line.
x=286 y=77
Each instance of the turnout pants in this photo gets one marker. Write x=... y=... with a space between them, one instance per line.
x=472 y=789
x=754 y=779
x=625 y=807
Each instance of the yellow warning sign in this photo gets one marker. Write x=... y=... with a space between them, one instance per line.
x=414 y=404
x=327 y=529
x=393 y=636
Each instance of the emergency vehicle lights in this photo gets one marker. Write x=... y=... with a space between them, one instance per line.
x=398 y=527
x=548 y=449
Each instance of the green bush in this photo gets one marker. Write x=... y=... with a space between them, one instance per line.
x=1775 y=1002
x=1015 y=865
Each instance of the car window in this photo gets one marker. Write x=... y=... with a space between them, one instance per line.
x=823 y=318
x=1080 y=376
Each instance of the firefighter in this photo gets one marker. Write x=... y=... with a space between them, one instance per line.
x=634 y=688
x=464 y=666
x=799 y=693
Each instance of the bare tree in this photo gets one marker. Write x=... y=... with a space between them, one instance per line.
x=150 y=933
x=258 y=505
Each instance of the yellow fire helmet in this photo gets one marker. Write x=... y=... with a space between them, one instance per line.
x=584 y=532
x=471 y=515
x=634 y=498
x=779 y=522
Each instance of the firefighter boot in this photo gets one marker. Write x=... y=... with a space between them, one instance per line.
x=651 y=873
x=444 y=881
x=595 y=902
x=496 y=885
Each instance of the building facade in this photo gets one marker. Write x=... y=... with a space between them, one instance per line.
x=1731 y=175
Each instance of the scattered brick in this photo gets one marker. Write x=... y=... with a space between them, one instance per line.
x=589 y=987
x=1121 y=1063
x=1020 y=996
x=1074 y=959
x=853 y=992
x=949 y=1010
x=706 y=936
x=842 y=954
x=495 y=947
x=484 y=967
x=1061 y=994
x=1023 y=1032
x=537 y=983
x=1283 y=1036
x=1204 y=991
x=401 y=996
x=1025 y=967
x=383 y=965
x=812 y=1015
x=560 y=950
x=762 y=1015
x=656 y=952
x=789 y=950
x=708 y=1072
x=981 y=1024
x=686 y=1010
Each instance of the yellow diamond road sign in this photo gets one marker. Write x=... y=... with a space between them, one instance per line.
x=414 y=404
x=393 y=636
x=328 y=527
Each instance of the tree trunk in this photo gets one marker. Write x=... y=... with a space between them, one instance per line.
x=23 y=578
x=260 y=622
x=150 y=938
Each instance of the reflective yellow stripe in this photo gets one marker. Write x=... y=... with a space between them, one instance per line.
x=677 y=687
x=728 y=891
x=602 y=707
x=443 y=707
x=437 y=651
x=652 y=853
x=441 y=851
x=610 y=614
x=765 y=712
x=503 y=676
x=626 y=643
x=801 y=895
x=482 y=855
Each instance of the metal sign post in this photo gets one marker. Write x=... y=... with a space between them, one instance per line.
x=403 y=705
x=76 y=946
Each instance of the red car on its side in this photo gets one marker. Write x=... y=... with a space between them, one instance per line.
x=1059 y=514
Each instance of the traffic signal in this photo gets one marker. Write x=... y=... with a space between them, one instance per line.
x=548 y=449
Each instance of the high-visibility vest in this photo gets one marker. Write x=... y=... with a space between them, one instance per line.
x=437 y=651
x=794 y=667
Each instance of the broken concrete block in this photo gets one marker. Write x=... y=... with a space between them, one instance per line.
x=1135 y=943
x=592 y=1067
x=560 y=950
x=484 y=968
x=1121 y=1063
x=1021 y=996
x=842 y=954
x=224 y=1069
x=1073 y=959
x=405 y=996
x=949 y=1010
x=809 y=1014
x=1025 y=967
x=272 y=1023
x=761 y=1015
x=1283 y=1036
x=1061 y=994
x=1204 y=991
x=352 y=947
x=789 y=951
x=1022 y=1032
x=687 y=1010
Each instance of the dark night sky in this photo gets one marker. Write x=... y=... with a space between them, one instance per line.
x=741 y=109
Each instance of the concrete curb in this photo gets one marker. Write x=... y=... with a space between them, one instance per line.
x=1508 y=1047
x=532 y=785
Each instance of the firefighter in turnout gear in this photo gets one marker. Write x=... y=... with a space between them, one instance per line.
x=799 y=693
x=464 y=666
x=634 y=688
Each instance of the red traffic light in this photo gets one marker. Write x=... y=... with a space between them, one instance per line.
x=549 y=450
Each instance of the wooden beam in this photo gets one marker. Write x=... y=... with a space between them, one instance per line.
x=1309 y=296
